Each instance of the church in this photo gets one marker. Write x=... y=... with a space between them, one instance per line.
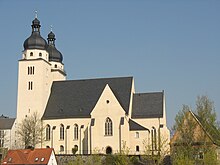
x=87 y=116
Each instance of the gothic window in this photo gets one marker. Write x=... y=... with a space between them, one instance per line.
x=75 y=132
x=108 y=127
x=61 y=132
x=48 y=132
x=154 y=138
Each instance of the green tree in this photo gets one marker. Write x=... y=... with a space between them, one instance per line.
x=193 y=146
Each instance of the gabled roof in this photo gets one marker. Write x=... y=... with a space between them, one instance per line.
x=77 y=98
x=6 y=123
x=147 y=105
x=133 y=126
x=28 y=156
x=211 y=130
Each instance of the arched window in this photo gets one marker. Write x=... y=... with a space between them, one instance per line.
x=137 y=149
x=154 y=138
x=61 y=132
x=75 y=132
x=108 y=127
x=40 y=54
x=48 y=132
x=31 y=54
x=61 y=148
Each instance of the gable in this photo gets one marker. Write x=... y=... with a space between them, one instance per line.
x=107 y=104
x=199 y=130
x=211 y=131
x=77 y=98
x=147 y=105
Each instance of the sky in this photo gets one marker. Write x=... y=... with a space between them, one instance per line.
x=167 y=45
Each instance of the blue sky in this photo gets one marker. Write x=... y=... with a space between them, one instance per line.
x=166 y=45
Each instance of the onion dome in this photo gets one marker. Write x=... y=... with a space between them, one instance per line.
x=54 y=54
x=35 y=41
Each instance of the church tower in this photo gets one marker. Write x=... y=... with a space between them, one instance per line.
x=41 y=64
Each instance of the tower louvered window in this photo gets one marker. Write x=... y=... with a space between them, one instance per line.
x=30 y=85
x=31 y=70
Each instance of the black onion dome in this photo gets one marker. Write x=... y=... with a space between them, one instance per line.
x=35 y=22
x=35 y=41
x=54 y=54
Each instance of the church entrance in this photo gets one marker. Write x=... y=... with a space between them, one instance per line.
x=108 y=150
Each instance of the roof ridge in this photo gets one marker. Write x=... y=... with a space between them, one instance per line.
x=98 y=78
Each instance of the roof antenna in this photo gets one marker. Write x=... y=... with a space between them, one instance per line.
x=35 y=13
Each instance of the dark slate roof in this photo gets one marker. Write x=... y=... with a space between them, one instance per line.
x=6 y=123
x=147 y=105
x=77 y=98
x=133 y=126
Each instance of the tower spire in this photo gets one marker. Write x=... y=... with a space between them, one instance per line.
x=35 y=13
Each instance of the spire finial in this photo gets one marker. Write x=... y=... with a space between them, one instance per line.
x=35 y=13
x=51 y=28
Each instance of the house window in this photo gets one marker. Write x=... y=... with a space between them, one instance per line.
x=201 y=155
x=30 y=85
x=137 y=149
x=136 y=134
x=1 y=133
x=75 y=132
x=2 y=142
x=61 y=132
x=61 y=148
x=48 y=132
x=108 y=127
x=9 y=160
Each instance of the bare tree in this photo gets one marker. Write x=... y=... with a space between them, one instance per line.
x=30 y=131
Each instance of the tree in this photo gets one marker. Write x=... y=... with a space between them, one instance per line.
x=191 y=144
x=30 y=131
x=182 y=150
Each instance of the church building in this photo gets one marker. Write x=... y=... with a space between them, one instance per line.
x=87 y=116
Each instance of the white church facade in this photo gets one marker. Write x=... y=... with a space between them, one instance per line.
x=103 y=115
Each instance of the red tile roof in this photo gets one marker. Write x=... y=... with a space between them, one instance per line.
x=27 y=156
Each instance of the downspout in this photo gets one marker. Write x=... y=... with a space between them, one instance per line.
x=159 y=138
x=120 y=138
